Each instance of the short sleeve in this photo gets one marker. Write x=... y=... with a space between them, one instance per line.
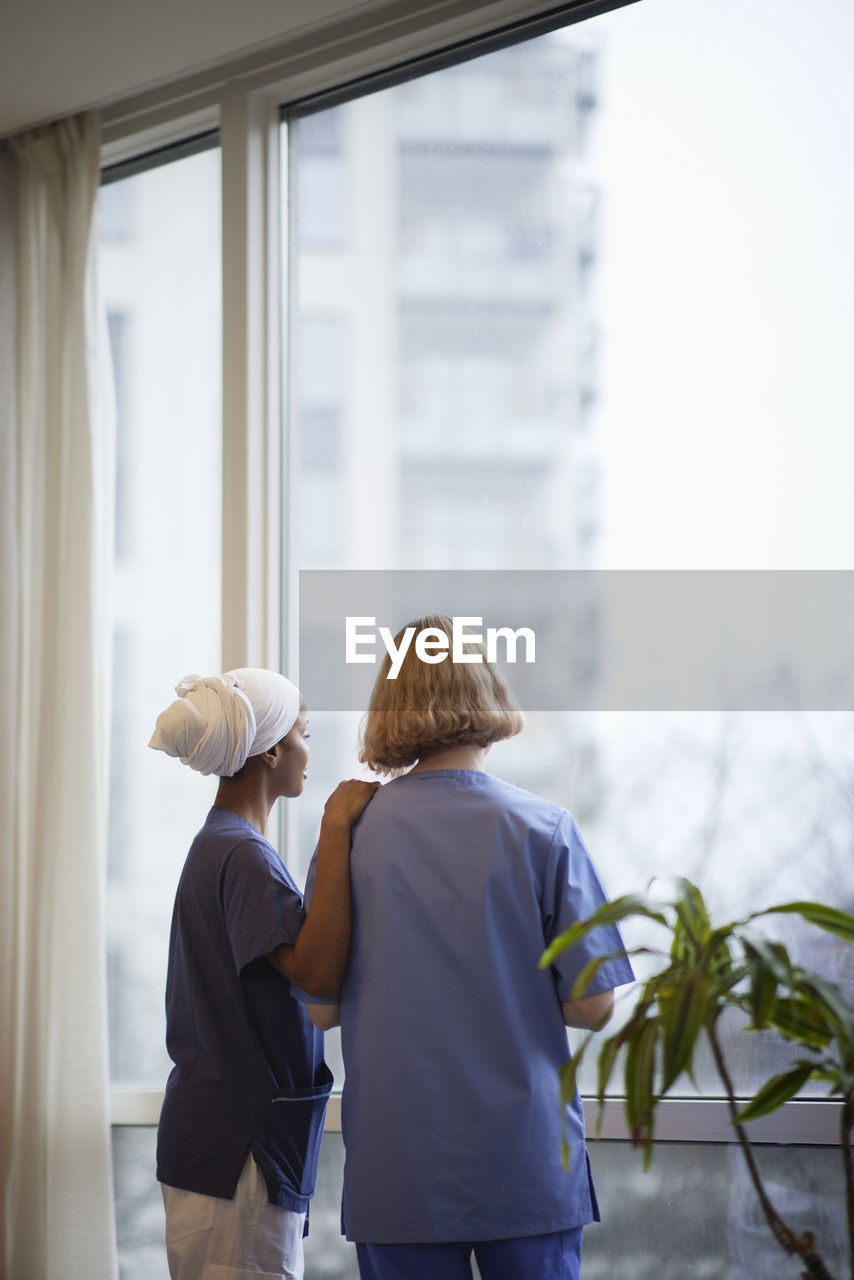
x=262 y=906
x=572 y=891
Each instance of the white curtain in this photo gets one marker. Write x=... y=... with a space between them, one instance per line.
x=56 y=475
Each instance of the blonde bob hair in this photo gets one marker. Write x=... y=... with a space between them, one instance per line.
x=435 y=705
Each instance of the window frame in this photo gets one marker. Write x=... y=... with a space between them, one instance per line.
x=245 y=103
x=810 y=1122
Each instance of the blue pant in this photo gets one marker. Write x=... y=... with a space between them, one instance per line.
x=551 y=1257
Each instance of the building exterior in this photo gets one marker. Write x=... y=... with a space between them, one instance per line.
x=444 y=367
x=445 y=362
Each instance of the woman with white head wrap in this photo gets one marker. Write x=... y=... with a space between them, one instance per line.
x=241 y=1044
x=218 y=722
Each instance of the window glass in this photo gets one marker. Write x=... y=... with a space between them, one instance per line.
x=688 y=1218
x=139 y=1204
x=159 y=262
x=597 y=292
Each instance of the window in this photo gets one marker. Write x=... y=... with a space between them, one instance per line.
x=161 y=283
x=586 y=324
x=584 y=328
x=581 y=302
x=322 y=197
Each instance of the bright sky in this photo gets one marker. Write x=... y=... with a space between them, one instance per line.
x=726 y=132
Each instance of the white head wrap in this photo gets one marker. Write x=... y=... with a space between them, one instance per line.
x=218 y=722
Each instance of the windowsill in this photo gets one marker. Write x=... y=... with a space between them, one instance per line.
x=812 y=1122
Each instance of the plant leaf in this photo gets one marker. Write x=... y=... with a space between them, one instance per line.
x=691 y=908
x=569 y=1072
x=692 y=926
x=775 y=1092
x=817 y=913
x=682 y=1018
x=762 y=953
x=763 y=993
x=567 y=1077
x=606 y=1062
x=639 y=1075
x=817 y=988
x=588 y=973
x=716 y=953
x=608 y=914
x=801 y=1021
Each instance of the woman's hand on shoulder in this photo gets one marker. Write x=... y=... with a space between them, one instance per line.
x=348 y=801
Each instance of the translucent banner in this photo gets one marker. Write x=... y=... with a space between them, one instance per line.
x=586 y=640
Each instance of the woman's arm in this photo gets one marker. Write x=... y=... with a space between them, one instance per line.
x=324 y=1016
x=589 y=1012
x=317 y=960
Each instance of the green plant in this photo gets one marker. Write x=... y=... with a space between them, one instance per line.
x=706 y=971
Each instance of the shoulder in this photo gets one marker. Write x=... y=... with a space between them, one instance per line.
x=224 y=831
x=536 y=810
x=228 y=845
x=469 y=797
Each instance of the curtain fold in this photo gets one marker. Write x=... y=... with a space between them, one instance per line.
x=8 y=660
x=55 y=1079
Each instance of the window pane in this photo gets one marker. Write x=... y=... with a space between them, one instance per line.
x=695 y=1214
x=140 y=1220
x=591 y=311
x=692 y=1216
x=160 y=266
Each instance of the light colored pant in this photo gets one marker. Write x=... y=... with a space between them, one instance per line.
x=246 y=1238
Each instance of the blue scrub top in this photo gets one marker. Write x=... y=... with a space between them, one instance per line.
x=249 y=1073
x=452 y=1036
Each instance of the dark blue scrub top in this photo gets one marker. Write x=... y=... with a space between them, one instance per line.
x=249 y=1073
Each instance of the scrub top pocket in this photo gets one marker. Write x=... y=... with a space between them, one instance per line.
x=288 y=1130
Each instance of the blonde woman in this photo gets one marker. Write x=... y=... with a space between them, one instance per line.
x=452 y=1036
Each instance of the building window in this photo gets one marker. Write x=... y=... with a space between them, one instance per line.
x=582 y=303
x=161 y=284
x=585 y=331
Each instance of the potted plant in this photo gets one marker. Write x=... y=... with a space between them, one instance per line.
x=707 y=970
